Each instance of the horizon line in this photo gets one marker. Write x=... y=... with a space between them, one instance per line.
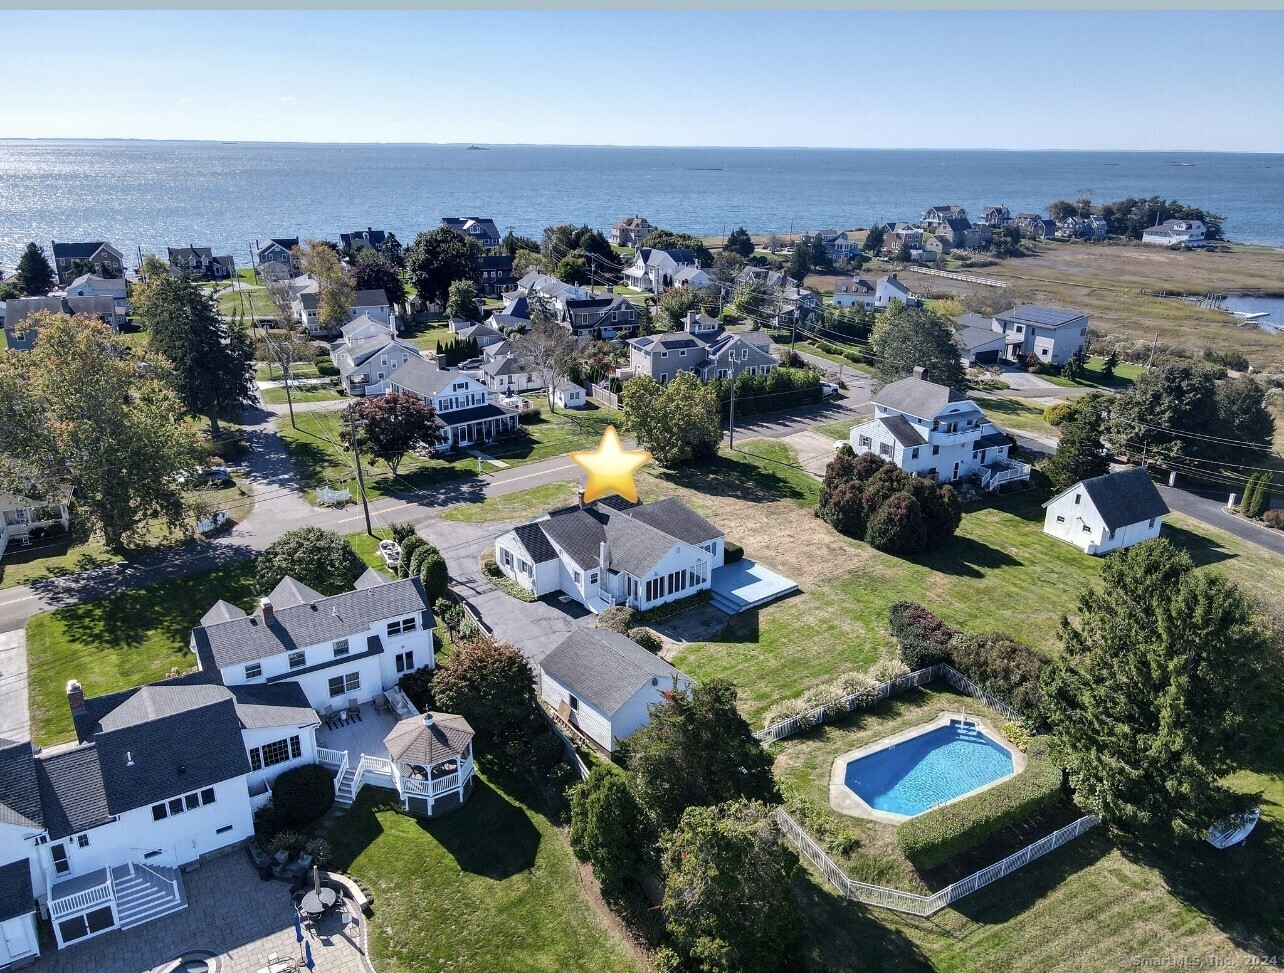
x=621 y=145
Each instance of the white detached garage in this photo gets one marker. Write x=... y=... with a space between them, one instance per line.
x=603 y=684
x=1106 y=513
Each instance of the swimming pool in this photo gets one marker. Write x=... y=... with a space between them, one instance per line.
x=916 y=774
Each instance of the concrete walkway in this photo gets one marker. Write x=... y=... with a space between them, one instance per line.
x=15 y=723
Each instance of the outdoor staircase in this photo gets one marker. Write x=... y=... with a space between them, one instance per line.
x=725 y=604
x=149 y=893
x=347 y=790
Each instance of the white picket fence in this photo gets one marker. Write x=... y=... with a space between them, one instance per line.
x=970 y=278
x=804 y=721
x=913 y=902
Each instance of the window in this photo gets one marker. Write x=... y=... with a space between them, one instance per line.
x=1076 y=499
x=936 y=450
x=59 y=855
x=405 y=661
x=593 y=577
x=191 y=801
x=579 y=579
x=340 y=648
x=349 y=682
x=664 y=354
x=914 y=454
x=297 y=659
x=1112 y=534
x=574 y=703
x=402 y=626
x=1061 y=520
x=1087 y=529
x=885 y=449
x=1152 y=522
x=253 y=670
x=207 y=795
x=270 y=754
x=224 y=830
x=154 y=853
x=82 y=841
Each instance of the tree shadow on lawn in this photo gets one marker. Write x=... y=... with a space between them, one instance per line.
x=1240 y=889
x=313 y=462
x=965 y=557
x=741 y=479
x=489 y=835
x=1202 y=550
x=845 y=936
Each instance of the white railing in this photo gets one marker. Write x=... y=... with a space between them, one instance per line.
x=447 y=783
x=970 y=278
x=82 y=900
x=374 y=765
x=913 y=902
x=327 y=497
x=849 y=704
x=171 y=882
x=332 y=758
x=413 y=785
x=1009 y=470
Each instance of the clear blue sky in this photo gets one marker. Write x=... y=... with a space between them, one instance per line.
x=914 y=79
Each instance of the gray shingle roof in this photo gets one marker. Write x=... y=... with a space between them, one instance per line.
x=290 y=592
x=536 y=543
x=16 y=896
x=903 y=431
x=991 y=441
x=1124 y=498
x=1039 y=314
x=917 y=397
x=423 y=377
x=19 y=790
x=372 y=298
x=282 y=704
x=970 y=338
x=371 y=578
x=241 y=640
x=77 y=251
x=413 y=742
x=71 y=791
x=676 y=519
x=221 y=612
x=606 y=669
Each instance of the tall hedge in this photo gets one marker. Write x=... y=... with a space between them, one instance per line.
x=408 y=548
x=923 y=638
x=932 y=838
x=432 y=573
x=300 y=795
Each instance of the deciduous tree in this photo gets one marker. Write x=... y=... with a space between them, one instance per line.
x=334 y=285
x=213 y=361
x=462 y=302
x=389 y=426
x=668 y=240
x=675 y=304
x=680 y=422
x=320 y=559
x=549 y=351
x=375 y=271
x=906 y=337
x=79 y=410
x=489 y=684
x=728 y=904
x=439 y=258
x=1158 y=690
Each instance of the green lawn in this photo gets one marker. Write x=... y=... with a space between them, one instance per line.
x=1019 y=414
x=491 y=887
x=426 y=334
x=309 y=393
x=320 y=460
x=121 y=641
x=840 y=428
x=1125 y=374
x=271 y=372
x=769 y=461
x=523 y=505
x=254 y=299
x=555 y=433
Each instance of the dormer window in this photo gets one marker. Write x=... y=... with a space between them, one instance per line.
x=297 y=660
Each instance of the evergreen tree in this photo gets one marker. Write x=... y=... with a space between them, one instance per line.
x=35 y=275
x=1080 y=454
x=799 y=262
x=608 y=829
x=874 y=239
x=739 y=242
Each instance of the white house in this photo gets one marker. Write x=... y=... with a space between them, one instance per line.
x=363 y=328
x=604 y=684
x=611 y=552
x=933 y=430
x=1107 y=512
x=890 y=289
x=373 y=304
x=656 y=270
x=1188 y=233
x=365 y=366
x=1051 y=334
x=20 y=516
x=568 y=395
x=857 y=292
x=463 y=404
x=353 y=645
x=91 y=285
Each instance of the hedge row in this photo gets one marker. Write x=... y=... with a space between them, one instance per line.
x=936 y=836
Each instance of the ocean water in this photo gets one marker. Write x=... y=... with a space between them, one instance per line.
x=151 y=195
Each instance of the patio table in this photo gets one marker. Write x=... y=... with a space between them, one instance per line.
x=316 y=903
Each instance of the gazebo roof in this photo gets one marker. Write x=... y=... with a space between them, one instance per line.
x=429 y=738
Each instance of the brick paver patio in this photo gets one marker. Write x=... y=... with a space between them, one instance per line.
x=231 y=913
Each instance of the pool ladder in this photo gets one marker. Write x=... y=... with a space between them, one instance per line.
x=967 y=729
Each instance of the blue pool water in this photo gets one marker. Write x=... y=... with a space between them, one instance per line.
x=916 y=775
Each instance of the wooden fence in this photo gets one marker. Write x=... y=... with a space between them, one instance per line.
x=970 y=278
x=849 y=704
x=913 y=902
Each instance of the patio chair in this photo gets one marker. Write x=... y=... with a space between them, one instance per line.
x=381 y=704
x=354 y=709
x=326 y=714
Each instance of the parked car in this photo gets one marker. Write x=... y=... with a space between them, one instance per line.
x=828 y=389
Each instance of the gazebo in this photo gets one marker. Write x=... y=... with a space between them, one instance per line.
x=432 y=758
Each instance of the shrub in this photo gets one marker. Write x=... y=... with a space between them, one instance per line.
x=327 y=369
x=885 y=670
x=1274 y=518
x=417 y=685
x=416 y=559
x=1059 y=414
x=408 y=548
x=546 y=751
x=924 y=639
x=732 y=552
x=646 y=638
x=828 y=697
x=861 y=685
x=934 y=837
x=845 y=511
x=288 y=841
x=618 y=619
x=897 y=527
x=1003 y=666
x=1018 y=734
x=432 y=573
x=302 y=794
x=787 y=710
x=402 y=530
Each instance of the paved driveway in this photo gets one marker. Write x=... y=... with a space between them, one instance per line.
x=230 y=913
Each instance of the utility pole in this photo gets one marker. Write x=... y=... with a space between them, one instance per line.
x=731 y=425
x=361 y=480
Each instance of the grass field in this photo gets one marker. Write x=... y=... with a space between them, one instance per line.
x=491 y=887
x=1124 y=375
x=523 y=505
x=125 y=640
x=309 y=393
x=1022 y=415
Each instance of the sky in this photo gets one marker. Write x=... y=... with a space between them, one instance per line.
x=854 y=79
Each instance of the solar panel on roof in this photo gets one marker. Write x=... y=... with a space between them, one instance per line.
x=1045 y=315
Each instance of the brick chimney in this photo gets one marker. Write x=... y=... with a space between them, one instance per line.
x=75 y=698
x=920 y=373
x=269 y=614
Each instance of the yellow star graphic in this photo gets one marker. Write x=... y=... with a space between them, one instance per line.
x=610 y=468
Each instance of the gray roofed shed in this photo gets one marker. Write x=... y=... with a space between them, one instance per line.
x=605 y=669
